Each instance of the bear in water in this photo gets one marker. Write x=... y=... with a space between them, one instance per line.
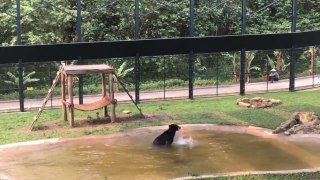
x=166 y=138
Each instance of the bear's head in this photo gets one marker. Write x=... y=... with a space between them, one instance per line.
x=174 y=127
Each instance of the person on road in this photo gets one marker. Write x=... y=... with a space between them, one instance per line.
x=274 y=75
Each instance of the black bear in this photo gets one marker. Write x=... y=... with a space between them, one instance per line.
x=166 y=138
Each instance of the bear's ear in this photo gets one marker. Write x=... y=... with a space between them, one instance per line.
x=171 y=126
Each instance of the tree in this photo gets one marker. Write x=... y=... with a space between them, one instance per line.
x=249 y=59
x=235 y=59
x=14 y=80
x=279 y=64
x=121 y=72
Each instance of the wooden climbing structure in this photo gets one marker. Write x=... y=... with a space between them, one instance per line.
x=69 y=72
x=66 y=75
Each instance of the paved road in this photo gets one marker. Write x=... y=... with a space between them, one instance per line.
x=172 y=93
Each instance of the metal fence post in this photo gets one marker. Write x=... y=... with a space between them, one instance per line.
x=79 y=39
x=20 y=66
x=243 y=51
x=217 y=87
x=137 y=65
x=191 y=54
x=164 y=78
x=292 y=53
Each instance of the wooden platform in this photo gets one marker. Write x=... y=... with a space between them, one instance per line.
x=88 y=69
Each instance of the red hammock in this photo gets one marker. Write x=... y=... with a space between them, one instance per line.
x=91 y=106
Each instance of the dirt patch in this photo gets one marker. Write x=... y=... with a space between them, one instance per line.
x=88 y=123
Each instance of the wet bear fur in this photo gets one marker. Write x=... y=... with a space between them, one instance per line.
x=166 y=138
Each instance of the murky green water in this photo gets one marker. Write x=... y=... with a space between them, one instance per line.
x=132 y=157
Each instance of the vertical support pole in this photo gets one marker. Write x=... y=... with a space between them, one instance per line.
x=20 y=65
x=79 y=39
x=217 y=69
x=137 y=68
x=164 y=79
x=63 y=95
x=113 y=102
x=137 y=65
x=70 y=91
x=51 y=81
x=243 y=51
x=313 y=65
x=267 y=74
x=191 y=54
x=104 y=93
x=292 y=53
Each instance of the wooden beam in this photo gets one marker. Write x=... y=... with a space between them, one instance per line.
x=63 y=96
x=113 y=105
x=104 y=93
x=71 y=108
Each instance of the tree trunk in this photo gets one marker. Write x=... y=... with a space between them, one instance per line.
x=279 y=61
x=235 y=72
x=311 y=60
x=247 y=75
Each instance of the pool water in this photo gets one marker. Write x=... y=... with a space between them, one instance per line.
x=131 y=156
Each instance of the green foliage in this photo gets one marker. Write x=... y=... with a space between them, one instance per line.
x=14 y=80
x=121 y=72
x=48 y=22
x=271 y=62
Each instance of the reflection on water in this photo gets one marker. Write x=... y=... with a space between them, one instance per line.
x=133 y=157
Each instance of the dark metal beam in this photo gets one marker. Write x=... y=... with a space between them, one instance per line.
x=157 y=47
x=191 y=54
x=243 y=50
x=20 y=66
x=292 y=53
x=79 y=39
x=137 y=65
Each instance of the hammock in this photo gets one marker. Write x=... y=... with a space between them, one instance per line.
x=91 y=106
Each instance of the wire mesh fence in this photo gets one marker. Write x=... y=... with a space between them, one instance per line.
x=167 y=77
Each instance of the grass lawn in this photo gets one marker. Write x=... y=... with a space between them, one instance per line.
x=221 y=110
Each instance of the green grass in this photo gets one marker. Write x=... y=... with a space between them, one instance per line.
x=210 y=110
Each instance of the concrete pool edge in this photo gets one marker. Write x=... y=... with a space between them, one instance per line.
x=232 y=174
x=253 y=130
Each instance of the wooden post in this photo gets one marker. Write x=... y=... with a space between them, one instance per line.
x=71 y=108
x=63 y=96
x=113 y=105
x=104 y=93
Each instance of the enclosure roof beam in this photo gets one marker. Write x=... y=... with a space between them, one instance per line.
x=156 y=47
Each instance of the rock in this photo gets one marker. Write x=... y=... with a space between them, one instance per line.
x=308 y=117
x=126 y=112
x=243 y=104
x=300 y=123
x=316 y=122
x=258 y=99
x=257 y=102
x=245 y=100
x=286 y=126
x=275 y=101
x=268 y=104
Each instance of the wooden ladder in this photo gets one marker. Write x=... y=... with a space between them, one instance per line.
x=45 y=100
x=127 y=91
